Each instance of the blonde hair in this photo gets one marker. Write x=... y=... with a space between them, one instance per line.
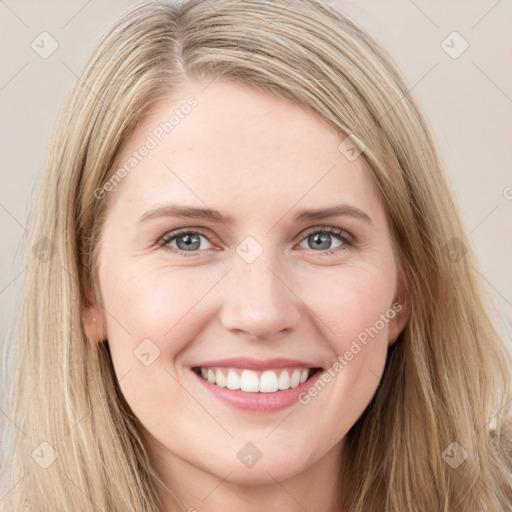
x=447 y=377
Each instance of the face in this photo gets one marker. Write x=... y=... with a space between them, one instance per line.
x=245 y=250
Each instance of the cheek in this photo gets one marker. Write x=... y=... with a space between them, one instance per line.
x=353 y=309
x=349 y=301
x=152 y=314
x=143 y=302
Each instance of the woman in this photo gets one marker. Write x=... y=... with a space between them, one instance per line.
x=182 y=348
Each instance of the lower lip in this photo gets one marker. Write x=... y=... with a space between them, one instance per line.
x=259 y=402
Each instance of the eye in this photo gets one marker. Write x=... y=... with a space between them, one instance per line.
x=183 y=240
x=321 y=239
x=318 y=239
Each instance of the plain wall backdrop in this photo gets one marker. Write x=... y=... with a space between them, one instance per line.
x=455 y=56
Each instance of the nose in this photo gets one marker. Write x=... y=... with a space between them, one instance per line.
x=258 y=301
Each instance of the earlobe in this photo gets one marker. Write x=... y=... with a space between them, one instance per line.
x=401 y=306
x=94 y=324
x=397 y=324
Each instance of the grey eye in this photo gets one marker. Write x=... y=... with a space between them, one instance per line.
x=321 y=240
x=190 y=241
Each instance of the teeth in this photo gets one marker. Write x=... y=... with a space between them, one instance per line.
x=284 y=380
x=249 y=381
x=220 y=380
x=233 y=380
x=295 y=379
x=269 y=382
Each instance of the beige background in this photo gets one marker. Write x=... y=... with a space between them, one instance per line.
x=468 y=101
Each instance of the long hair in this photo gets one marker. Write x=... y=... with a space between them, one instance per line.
x=436 y=436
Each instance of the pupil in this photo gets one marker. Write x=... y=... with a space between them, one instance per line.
x=321 y=240
x=186 y=242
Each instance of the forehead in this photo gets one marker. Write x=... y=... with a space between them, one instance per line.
x=238 y=143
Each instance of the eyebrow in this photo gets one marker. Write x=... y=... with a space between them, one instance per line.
x=207 y=214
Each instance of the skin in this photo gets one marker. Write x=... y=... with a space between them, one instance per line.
x=260 y=159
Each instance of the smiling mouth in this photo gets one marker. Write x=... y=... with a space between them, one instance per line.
x=251 y=381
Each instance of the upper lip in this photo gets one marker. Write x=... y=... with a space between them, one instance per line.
x=256 y=364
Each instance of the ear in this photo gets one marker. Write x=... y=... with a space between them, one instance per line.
x=94 y=324
x=401 y=305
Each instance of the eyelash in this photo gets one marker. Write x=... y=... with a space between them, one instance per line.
x=347 y=239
